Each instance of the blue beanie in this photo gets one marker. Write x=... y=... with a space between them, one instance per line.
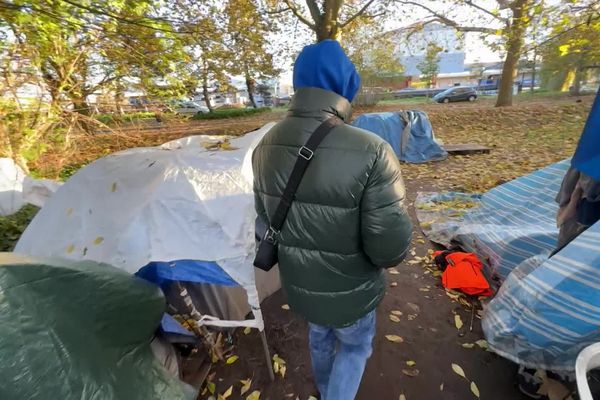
x=325 y=65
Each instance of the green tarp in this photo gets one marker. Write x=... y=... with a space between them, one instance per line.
x=79 y=330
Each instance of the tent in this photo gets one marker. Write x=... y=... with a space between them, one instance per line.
x=79 y=330
x=183 y=211
x=408 y=132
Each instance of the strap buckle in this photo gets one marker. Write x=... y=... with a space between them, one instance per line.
x=270 y=235
x=306 y=153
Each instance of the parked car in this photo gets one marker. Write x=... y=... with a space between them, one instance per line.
x=190 y=107
x=458 y=93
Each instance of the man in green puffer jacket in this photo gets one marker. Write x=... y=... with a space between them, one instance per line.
x=346 y=224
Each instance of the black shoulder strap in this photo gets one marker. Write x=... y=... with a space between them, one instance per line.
x=305 y=155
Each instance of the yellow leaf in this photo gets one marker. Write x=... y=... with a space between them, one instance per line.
x=70 y=248
x=231 y=360
x=393 y=318
x=394 y=338
x=227 y=393
x=247 y=330
x=458 y=321
x=397 y=312
x=475 y=389
x=424 y=289
x=254 y=395
x=411 y=363
x=285 y=307
x=402 y=397
x=482 y=343
x=468 y=345
x=278 y=359
x=98 y=240
x=393 y=271
x=312 y=398
x=211 y=387
x=246 y=383
x=282 y=370
x=458 y=370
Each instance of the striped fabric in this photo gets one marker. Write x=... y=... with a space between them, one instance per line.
x=546 y=310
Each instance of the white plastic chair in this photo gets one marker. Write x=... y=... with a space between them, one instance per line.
x=587 y=360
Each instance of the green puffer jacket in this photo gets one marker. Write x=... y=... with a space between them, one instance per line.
x=348 y=220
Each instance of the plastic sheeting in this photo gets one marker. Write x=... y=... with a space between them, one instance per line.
x=164 y=204
x=505 y=226
x=79 y=330
x=408 y=132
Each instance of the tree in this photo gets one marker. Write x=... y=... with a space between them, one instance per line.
x=430 y=66
x=247 y=39
x=372 y=52
x=327 y=18
x=513 y=18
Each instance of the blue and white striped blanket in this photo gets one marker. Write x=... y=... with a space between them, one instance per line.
x=546 y=310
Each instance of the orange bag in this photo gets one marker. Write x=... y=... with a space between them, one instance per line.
x=464 y=273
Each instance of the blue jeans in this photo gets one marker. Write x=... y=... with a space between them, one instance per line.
x=339 y=356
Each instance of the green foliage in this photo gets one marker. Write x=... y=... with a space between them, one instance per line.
x=112 y=118
x=231 y=113
x=430 y=67
x=12 y=226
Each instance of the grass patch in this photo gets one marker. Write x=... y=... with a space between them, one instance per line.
x=231 y=113
x=12 y=226
x=129 y=117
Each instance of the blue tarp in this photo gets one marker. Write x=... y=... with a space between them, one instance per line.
x=547 y=309
x=587 y=155
x=414 y=145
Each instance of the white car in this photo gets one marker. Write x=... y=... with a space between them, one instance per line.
x=190 y=107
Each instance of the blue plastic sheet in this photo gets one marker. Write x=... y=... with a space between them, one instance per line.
x=587 y=155
x=414 y=145
x=195 y=271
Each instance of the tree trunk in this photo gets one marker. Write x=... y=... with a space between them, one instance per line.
x=327 y=25
x=250 y=87
x=516 y=33
x=119 y=98
x=206 y=95
x=533 y=70
x=80 y=105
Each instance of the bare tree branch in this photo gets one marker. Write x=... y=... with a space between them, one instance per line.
x=315 y=13
x=486 y=11
x=437 y=17
x=358 y=13
x=292 y=7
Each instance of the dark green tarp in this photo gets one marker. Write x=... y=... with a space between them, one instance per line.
x=79 y=330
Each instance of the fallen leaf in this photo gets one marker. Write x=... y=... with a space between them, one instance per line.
x=114 y=187
x=394 y=318
x=424 y=289
x=482 y=343
x=394 y=284
x=98 y=240
x=231 y=360
x=458 y=370
x=254 y=395
x=413 y=262
x=411 y=363
x=475 y=389
x=393 y=271
x=402 y=397
x=396 y=312
x=420 y=241
x=410 y=372
x=282 y=370
x=458 y=322
x=70 y=248
x=211 y=387
x=468 y=345
x=394 y=338
x=247 y=330
x=246 y=383
x=312 y=398
x=442 y=387
x=227 y=393
x=411 y=317
x=285 y=307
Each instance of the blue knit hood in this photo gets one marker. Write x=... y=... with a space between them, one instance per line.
x=325 y=65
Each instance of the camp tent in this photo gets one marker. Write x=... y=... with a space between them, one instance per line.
x=183 y=211
x=79 y=330
x=408 y=132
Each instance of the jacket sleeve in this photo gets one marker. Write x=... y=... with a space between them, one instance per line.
x=386 y=227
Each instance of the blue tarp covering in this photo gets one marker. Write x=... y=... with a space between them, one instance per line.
x=415 y=145
x=587 y=156
x=194 y=271
x=546 y=310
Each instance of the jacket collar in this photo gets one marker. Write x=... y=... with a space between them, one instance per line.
x=318 y=103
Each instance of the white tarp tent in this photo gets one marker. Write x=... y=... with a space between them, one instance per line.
x=178 y=201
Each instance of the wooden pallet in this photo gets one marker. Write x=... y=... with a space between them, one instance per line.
x=466 y=149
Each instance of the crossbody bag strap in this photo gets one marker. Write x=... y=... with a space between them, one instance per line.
x=305 y=155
